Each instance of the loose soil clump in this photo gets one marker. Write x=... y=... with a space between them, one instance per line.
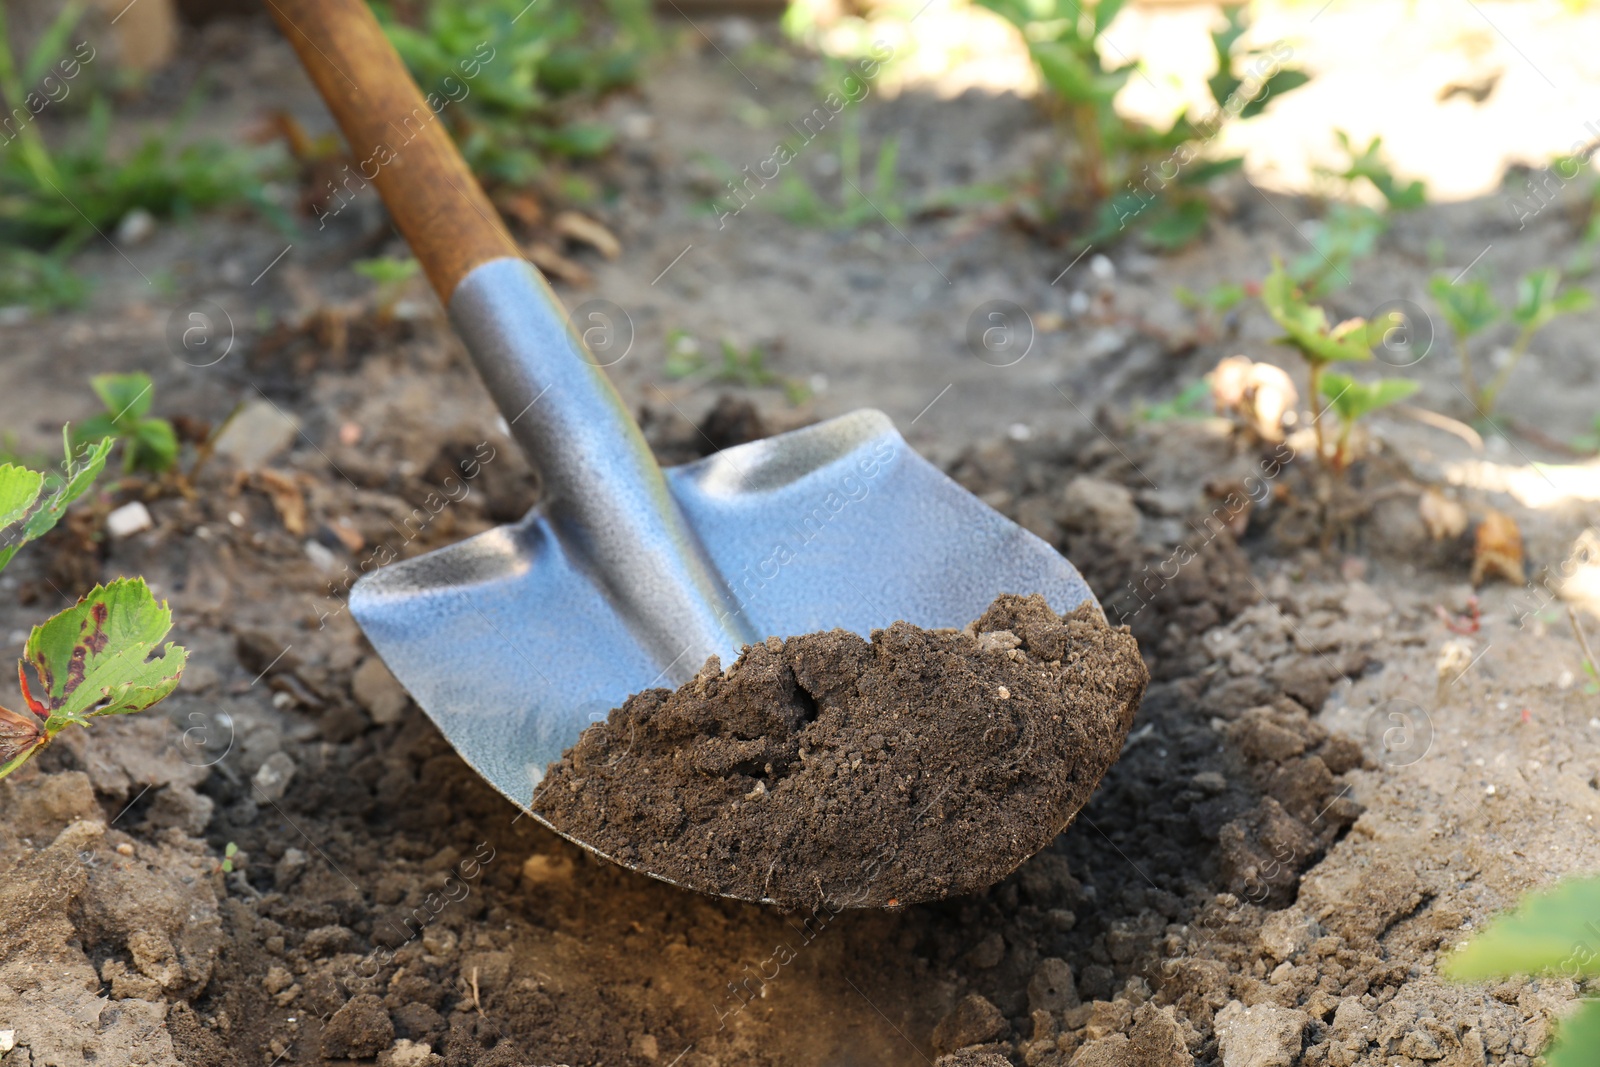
x=829 y=769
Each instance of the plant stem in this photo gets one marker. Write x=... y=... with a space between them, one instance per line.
x=1091 y=171
x=1468 y=379
x=1316 y=415
x=1491 y=392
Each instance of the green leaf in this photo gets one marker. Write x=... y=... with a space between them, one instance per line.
x=127 y=397
x=1105 y=12
x=1305 y=325
x=1065 y=72
x=1175 y=226
x=1468 y=307
x=152 y=446
x=78 y=473
x=1353 y=399
x=1550 y=930
x=1271 y=89
x=19 y=490
x=1577 y=1041
x=1539 y=300
x=92 y=658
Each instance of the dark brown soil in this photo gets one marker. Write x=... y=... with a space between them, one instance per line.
x=828 y=770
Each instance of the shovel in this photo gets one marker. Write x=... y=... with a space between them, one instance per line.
x=625 y=576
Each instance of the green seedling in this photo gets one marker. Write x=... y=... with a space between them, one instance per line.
x=1469 y=309
x=1306 y=330
x=1211 y=306
x=148 y=444
x=1347 y=233
x=229 y=851
x=1550 y=932
x=90 y=660
x=739 y=366
x=1218 y=300
x=390 y=274
x=500 y=70
x=1540 y=301
x=1351 y=400
x=1351 y=231
x=1117 y=174
x=1370 y=166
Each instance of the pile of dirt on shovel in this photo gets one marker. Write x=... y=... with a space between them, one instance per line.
x=829 y=769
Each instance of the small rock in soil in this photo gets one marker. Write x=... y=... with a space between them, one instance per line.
x=274 y=776
x=377 y=691
x=972 y=1021
x=1261 y=1036
x=358 y=1030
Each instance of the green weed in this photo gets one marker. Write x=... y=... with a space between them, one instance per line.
x=148 y=444
x=736 y=366
x=500 y=68
x=51 y=202
x=1469 y=309
x=1118 y=174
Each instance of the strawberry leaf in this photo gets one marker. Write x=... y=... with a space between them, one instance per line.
x=24 y=518
x=92 y=659
x=1305 y=325
x=19 y=491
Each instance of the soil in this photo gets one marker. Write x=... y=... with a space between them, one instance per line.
x=1346 y=761
x=827 y=771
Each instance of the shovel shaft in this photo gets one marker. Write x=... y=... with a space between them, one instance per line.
x=604 y=497
x=396 y=137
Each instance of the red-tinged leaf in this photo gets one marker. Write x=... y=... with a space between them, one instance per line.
x=94 y=657
x=20 y=735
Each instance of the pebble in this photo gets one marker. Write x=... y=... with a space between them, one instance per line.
x=129 y=519
x=1264 y=1035
x=274 y=776
x=376 y=690
x=259 y=432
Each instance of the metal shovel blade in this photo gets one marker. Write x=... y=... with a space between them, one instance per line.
x=513 y=647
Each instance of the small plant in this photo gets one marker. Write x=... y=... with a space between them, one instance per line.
x=52 y=201
x=1550 y=932
x=229 y=851
x=1369 y=165
x=148 y=444
x=1348 y=232
x=499 y=68
x=1351 y=400
x=1306 y=330
x=1351 y=231
x=746 y=367
x=93 y=658
x=1469 y=309
x=390 y=273
x=1117 y=175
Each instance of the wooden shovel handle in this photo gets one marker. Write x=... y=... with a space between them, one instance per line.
x=399 y=142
